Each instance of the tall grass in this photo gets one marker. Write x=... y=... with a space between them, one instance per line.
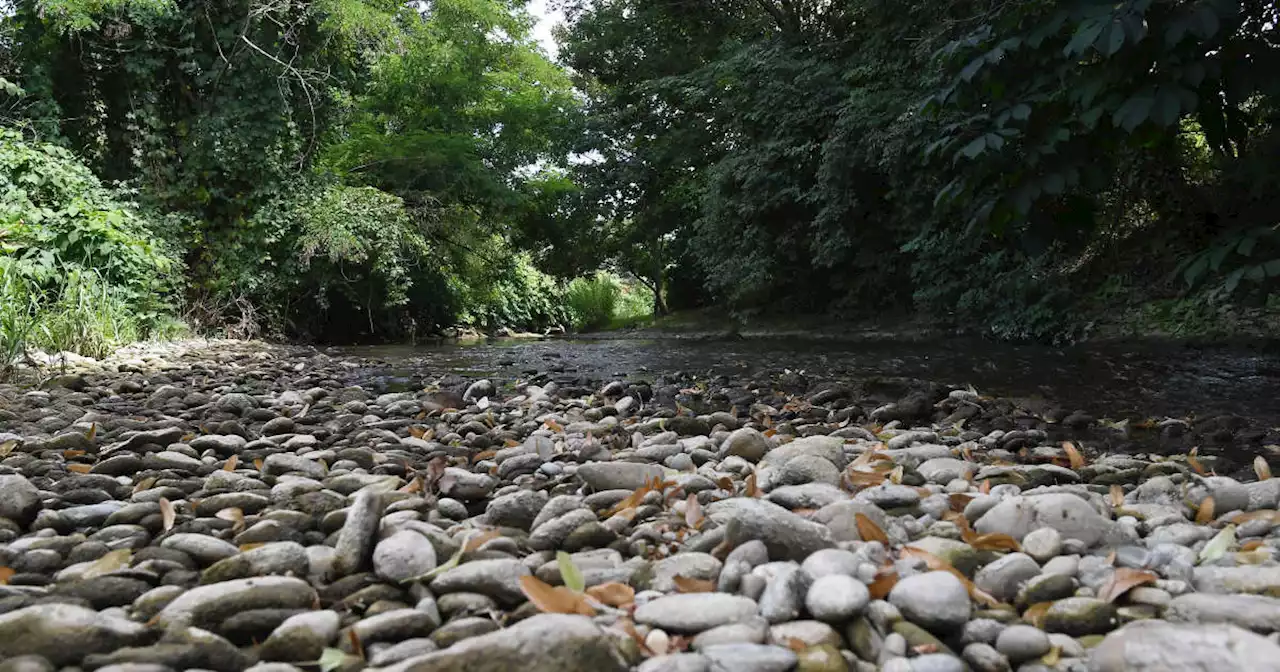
x=592 y=301
x=18 y=311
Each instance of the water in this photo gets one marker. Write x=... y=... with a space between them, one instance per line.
x=1107 y=380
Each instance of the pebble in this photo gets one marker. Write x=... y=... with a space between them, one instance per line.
x=1021 y=643
x=691 y=613
x=936 y=601
x=836 y=598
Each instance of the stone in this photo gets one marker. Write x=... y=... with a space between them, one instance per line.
x=1023 y=642
x=676 y=662
x=302 y=637
x=810 y=633
x=831 y=561
x=1253 y=612
x=749 y=658
x=840 y=518
x=1255 y=579
x=403 y=556
x=1160 y=646
x=746 y=443
x=785 y=534
x=1042 y=544
x=281 y=557
x=203 y=549
x=984 y=658
x=1003 y=577
x=783 y=597
x=541 y=643
x=356 y=539
x=1080 y=616
x=1070 y=515
x=64 y=634
x=517 y=509
x=936 y=601
x=207 y=606
x=618 y=475
x=497 y=578
x=691 y=613
x=394 y=626
x=836 y=598
x=19 y=499
x=690 y=565
x=943 y=470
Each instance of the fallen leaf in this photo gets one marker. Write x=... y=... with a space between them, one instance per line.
x=1218 y=545
x=1204 y=512
x=631 y=501
x=167 y=514
x=751 y=489
x=935 y=563
x=685 y=584
x=357 y=647
x=1073 y=454
x=868 y=530
x=417 y=431
x=1251 y=545
x=725 y=484
x=334 y=659
x=79 y=468
x=797 y=645
x=92 y=433
x=257 y=463
x=144 y=484
x=959 y=500
x=922 y=649
x=68 y=454
x=1261 y=468
x=6 y=573
x=1051 y=659
x=1034 y=615
x=230 y=464
x=569 y=573
x=252 y=545
x=859 y=478
x=992 y=541
x=630 y=629
x=985 y=488
x=234 y=515
x=474 y=542
x=483 y=455
x=884 y=582
x=613 y=594
x=1117 y=495
x=1195 y=463
x=7 y=447
x=108 y=563
x=1111 y=558
x=1122 y=581
x=693 y=513
x=554 y=426
x=554 y=599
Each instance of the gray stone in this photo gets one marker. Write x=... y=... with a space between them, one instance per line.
x=1042 y=544
x=618 y=475
x=783 y=597
x=807 y=469
x=1080 y=616
x=676 y=662
x=984 y=658
x=937 y=662
x=541 y=643
x=302 y=637
x=356 y=540
x=890 y=496
x=836 y=598
x=830 y=561
x=517 y=509
x=409 y=648
x=19 y=500
x=1003 y=577
x=691 y=613
x=281 y=557
x=936 y=601
x=689 y=565
x=203 y=549
x=1252 y=612
x=207 y=606
x=1070 y=515
x=943 y=470
x=785 y=534
x=403 y=556
x=497 y=578
x=1160 y=646
x=746 y=443
x=65 y=633
x=1245 y=579
x=392 y=626
x=811 y=633
x=750 y=631
x=1023 y=642
x=840 y=518
x=277 y=464
x=749 y=658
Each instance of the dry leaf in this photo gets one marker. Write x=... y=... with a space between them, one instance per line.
x=413 y=486
x=685 y=584
x=1111 y=558
x=884 y=582
x=79 y=468
x=1251 y=545
x=1073 y=454
x=613 y=594
x=1122 y=580
x=985 y=488
x=7 y=447
x=1034 y=615
x=554 y=426
x=1051 y=659
x=483 y=455
x=92 y=433
x=479 y=540
x=1195 y=463
x=959 y=500
x=230 y=464
x=1261 y=468
x=554 y=599
x=1117 y=495
x=725 y=484
x=167 y=514
x=234 y=515
x=257 y=463
x=992 y=541
x=922 y=649
x=935 y=563
x=868 y=530
x=252 y=545
x=357 y=647
x=68 y=454
x=693 y=513
x=1204 y=513
x=144 y=484
x=797 y=645
x=108 y=563
x=6 y=573
x=418 y=432
x=752 y=490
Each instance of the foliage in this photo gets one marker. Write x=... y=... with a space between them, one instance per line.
x=592 y=301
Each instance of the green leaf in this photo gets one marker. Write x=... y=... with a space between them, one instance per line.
x=1218 y=255
x=1176 y=31
x=1054 y=183
x=1205 y=22
x=1256 y=273
x=1246 y=245
x=1196 y=269
x=1085 y=35
x=1166 y=107
x=1233 y=280
x=975 y=147
x=1134 y=111
x=332 y=659
x=1193 y=74
x=972 y=69
x=1273 y=268
x=570 y=573
x=1111 y=40
x=1021 y=111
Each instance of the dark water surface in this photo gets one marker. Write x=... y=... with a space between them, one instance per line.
x=1107 y=380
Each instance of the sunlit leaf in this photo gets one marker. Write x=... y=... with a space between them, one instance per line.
x=1194 y=462
x=7 y=447
x=231 y=463
x=6 y=573
x=1051 y=659
x=685 y=584
x=92 y=433
x=167 y=514
x=992 y=541
x=144 y=484
x=884 y=582
x=693 y=516
x=613 y=594
x=1034 y=615
x=1219 y=544
x=1261 y=468
x=1124 y=579
x=112 y=561
x=1204 y=513
x=257 y=463
x=1117 y=495
x=1073 y=454
x=554 y=599
x=334 y=659
x=751 y=489
x=959 y=500
x=569 y=573
x=233 y=515
x=474 y=541
x=79 y=468
x=868 y=530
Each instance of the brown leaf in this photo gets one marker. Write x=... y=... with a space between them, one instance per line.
x=68 y=454
x=959 y=500
x=167 y=514
x=631 y=501
x=613 y=594
x=483 y=455
x=144 y=484
x=6 y=573
x=1034 y=615
x=554 y=599
x=108 y=563
x=922 y=649
x=417 y=431
x=92 y=433
x=234 y=515
x=797 y=645
x=985 y=488
x=79 y=468
x=1251 y=545
x=693 y=516
x=858 y=478
x=413 y=486
x=752 y=490
x=630 y=629
x=1204 y=513
x=1111 y=558
x=480 y=540
x=554 y=426
x=357 y=647
x=1117 y=495
x=868 y=530
x=725 y=484
x=993 y=541
x=935 y=563
x=1051 y=659
x=1242 y=517
x=884 y=582
x=1073 y=454
x=685 y=584
x=1194 y=462
x=257 y=463
x=1261 y=468
x=252 y=545
x=1122 y=580
x=231 y=463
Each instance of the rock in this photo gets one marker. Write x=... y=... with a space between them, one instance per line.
x=689 y=565
x=618 y=475
x=943 y=470
x=746 y=443
x=836 y=598
x=936 y=601
x=403 y=556
x=478 y=390
x=19 y=500
x=783 y=597
x=1080 y=616
x=207 y=606
x=1023 y=642
x=840 y=518
x=810 y=633
x=785 y=534
x=749 y=658
x=1003 y=577
x=1042 y=544
x=541 y=643
x=1261 y=580
x=750 y=631
x=676 y=662
x=984 y=658
x=1252 y=612
x=203 y=549
x=936 y=662
x=497 y=578
x=302 y=637
x=831 y=561
x=64 y=633
x=1071 y=516
x=397 y=625
x=1159 y=646
x=691 y=613
x=517 y=509
x=356 y=540
x=282 y=557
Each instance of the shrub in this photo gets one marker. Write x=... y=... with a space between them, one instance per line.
x=592 y=301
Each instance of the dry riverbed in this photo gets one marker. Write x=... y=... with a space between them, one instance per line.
x=232 y=506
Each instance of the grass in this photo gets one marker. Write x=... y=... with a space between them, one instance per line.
x=605 y=301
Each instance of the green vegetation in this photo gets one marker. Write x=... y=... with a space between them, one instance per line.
x=356 y=170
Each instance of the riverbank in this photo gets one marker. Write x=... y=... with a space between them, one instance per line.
x=236 y=505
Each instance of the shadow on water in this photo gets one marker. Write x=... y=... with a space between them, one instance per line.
x=1107 y=380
